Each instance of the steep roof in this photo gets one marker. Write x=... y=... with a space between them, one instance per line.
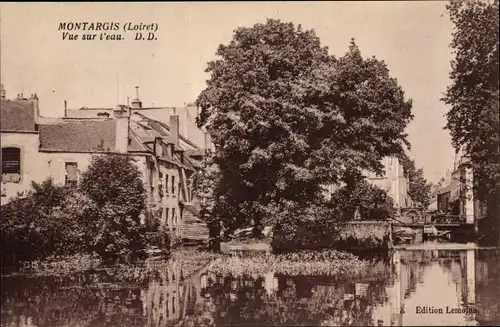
x=78 y=136
x=163 y=128
x=454 y=184
x=136 y=145
x=17 y=115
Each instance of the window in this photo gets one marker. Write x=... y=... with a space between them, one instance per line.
x=11 y=161
x=160 y=185
x=174 y=217
x=173 y=184
x=71 y=173
x=166 y=216
x=166 y=183
x=151 y=180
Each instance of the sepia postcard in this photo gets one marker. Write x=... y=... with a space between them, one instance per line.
x=274 y=163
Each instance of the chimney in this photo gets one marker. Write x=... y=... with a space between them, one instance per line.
x=34 y=98
x=122 y=129
x=2 y=91
x=136 y=102
x=448 y=177
x=65 y=108
x=174 y=129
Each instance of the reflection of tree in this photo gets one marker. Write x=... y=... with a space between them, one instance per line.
x=128 y=296
x=118 y=296
x=299 y=300
x=487 y=287
x=51 y=301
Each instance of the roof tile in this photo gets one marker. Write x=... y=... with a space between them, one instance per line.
x=17 y=115
x=81 y=136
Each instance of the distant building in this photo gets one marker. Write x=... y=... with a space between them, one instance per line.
x=433 y=203
x=456 y=196
x=448 y=195
x=187 y=116
x=393 y=181
x=35 y=148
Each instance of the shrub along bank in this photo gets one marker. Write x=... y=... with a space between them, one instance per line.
x=101 y=215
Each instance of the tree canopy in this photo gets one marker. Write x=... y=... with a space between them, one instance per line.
x=473 y=118
x=114 y=184
x=287 y=117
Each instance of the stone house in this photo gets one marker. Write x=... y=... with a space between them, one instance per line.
x=171 y=172
x=456 y=196
x=20 y=140
x=35 y=148
x=448 y=195
x=393 y=181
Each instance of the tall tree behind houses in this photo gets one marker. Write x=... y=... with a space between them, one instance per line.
x=473 y=118
x=286 y=117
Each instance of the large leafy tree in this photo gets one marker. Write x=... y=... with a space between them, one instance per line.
x=114 y=184
x=473 y=119
x=286 y=117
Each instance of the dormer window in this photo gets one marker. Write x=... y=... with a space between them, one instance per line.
x=159 y=148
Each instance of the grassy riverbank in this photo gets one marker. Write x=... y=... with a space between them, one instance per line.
x=56 y=265
x=236 y=259
x=327 y=262
x=190 y=259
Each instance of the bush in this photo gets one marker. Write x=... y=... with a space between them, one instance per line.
x=100 y=215
x=48 y=221
x=114 y=184
x=157 y=236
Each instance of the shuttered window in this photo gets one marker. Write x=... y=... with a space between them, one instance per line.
x=11 y=161
x=160 y=185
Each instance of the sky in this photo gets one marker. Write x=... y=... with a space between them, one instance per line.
x=412 y=37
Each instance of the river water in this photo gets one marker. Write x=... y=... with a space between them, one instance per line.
x=403 y=288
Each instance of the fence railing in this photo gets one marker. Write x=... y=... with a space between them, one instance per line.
x=447 y=219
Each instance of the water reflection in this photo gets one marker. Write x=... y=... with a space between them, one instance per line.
x=403 y=288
